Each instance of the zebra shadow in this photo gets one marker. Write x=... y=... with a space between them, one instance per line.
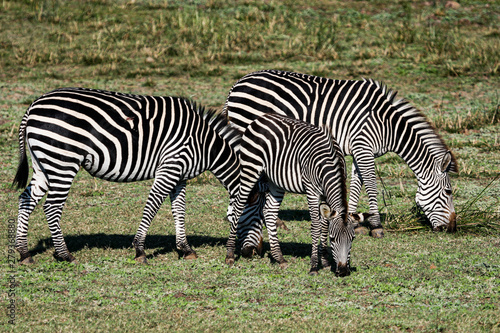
x=164 y=244
x=161 y=243
x=294 y=215
x=298 y=250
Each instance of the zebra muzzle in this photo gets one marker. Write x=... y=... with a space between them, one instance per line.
x=452 y=225
x=342 y=270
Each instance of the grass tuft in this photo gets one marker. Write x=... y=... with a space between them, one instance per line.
x=476 y=118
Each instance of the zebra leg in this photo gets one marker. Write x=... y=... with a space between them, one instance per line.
x=231 y=241
x=316 y=230
x=271 y=208
x=162 y=186
x=28 y=200
x=233 y=226
x=53 y=207
x=323 y=244
x=366 y=165
x=355 y=190
x=53 y=212
x=178 y=200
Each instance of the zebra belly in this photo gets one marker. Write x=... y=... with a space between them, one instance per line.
x=90 y=165
x=290 y=181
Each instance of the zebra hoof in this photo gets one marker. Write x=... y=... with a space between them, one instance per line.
x=229 y=261
x=377 y=233
x=26 y=261
x=325 y=263
x=69 y=258
x=361 y=231
x=283 y=264
x=190 y=256
x=141 y=260
x=72 y=260
x=313 y=272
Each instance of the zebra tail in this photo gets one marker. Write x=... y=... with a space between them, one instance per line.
x=21 y=178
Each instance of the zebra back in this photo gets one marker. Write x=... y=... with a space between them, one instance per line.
x=342 y=105
x=138 y=130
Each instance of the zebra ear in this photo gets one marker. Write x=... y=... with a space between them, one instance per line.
x=447 y=162
x=326 y=212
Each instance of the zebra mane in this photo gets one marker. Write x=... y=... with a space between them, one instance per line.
x=338 y=152
x=402 y=105
x=389 y=94
x=220 y=124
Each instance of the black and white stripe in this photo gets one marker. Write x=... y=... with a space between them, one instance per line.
x=122 y=138
x=367 y=121
x=297 y=157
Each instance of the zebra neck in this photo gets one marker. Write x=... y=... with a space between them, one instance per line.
x=408 y=133
x=422 y=153
x=336 y=193
x=225 y=166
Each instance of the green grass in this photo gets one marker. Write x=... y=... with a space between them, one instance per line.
x=444 y=60
x=420 y=281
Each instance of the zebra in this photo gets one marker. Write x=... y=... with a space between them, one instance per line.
x=367 y=121
x=314 y=166
x=122 y=138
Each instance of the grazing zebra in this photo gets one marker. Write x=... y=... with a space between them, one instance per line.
x=301 y=158
x=122 y=138
x=367 y=121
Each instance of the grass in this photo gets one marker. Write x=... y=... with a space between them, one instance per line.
x=476 y=117
x=444 y=60
x=203 y=38
x=443 y=277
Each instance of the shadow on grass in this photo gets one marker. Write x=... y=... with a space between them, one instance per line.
x=294 y=215
x=162 y=243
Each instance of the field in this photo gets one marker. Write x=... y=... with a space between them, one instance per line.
x=442 y=56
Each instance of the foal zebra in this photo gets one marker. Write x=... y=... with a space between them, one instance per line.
x=367 y=121
x=122 y=138
x=301 y=158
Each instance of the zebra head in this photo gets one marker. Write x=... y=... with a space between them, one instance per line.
x=434 y=195
x=249 y=230
x=341 y=231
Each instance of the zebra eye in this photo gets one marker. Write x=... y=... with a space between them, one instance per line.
x=448 y=191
